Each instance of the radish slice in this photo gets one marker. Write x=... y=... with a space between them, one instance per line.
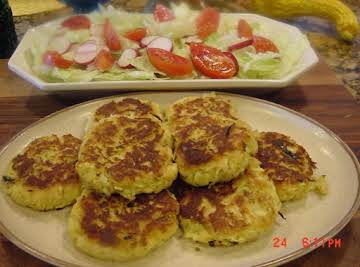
x=162 y=43
x=86 y=53
x=240 y=45
x=192 y=39
x=59 y=44
x=126 y=57
x=147 y=40
x=69 y=55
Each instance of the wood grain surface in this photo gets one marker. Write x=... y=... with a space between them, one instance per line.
x=318 y=95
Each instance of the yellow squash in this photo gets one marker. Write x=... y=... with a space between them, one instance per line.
x=334 y=10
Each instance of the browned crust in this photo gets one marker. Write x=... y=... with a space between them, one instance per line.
x=114 y=220
x=126 y=106
x=280 y=164
x=212 y=119
x=143 y=159
x=111 y=137
x=209 y=105
x=34 y=171
x=190 y=199
x=218 y=138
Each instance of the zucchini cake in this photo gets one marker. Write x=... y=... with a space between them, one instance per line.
x=115 y=228
x=130 y=107
x=289 y=165
x=43 y=176
x=229 y=213
x=126 y=151
x=211 y=144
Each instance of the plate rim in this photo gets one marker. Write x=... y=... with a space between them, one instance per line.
x=275 y=262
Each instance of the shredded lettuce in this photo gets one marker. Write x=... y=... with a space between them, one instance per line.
x=73 y=75
x=223 y=41
x=262 y=65
x=142 y=63
x=291 y=49
x=77 y=36
x=252 y=65
x=257 y=66
x=180 y=48
x=127 y=43
x=183 y=25
x=126 y=75
x=121 y=20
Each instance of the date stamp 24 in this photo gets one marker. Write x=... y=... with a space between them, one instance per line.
x=307 y=242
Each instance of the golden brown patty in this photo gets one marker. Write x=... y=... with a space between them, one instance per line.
x=208 y=105
x=211 y=145
x=43 y=176
x=287 y=164
x=115 y=228
x=229 y=213
x=128 y=156
x=129 y=107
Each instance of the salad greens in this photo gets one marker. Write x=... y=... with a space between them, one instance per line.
x=183 y=25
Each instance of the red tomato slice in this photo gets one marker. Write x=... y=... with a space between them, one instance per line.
x=233 y=58
x=169 y=63
x=54 y=59
x=136 y=35
x=263 y=45
x=111 y=37
x=207 y=22
x=212 y=62
x=104 y=60
x=162 y=13
x=77 y=22
x=244 y=29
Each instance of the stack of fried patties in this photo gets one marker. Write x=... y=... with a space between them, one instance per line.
x=126 y=164
x=225 y=196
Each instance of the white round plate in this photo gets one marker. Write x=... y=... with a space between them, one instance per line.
x=44 y=234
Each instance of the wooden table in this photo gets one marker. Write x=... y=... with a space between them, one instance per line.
x=318 y=94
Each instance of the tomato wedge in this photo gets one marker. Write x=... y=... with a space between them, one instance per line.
x=162 y=13
x=77 y=22
x=169 y=63
x=54 y=59
x=207 y=22
x=233 y=58
x=263 y=45
x=136 y=35
x=244 y=29
x=212 y=62
x=111 y=37
x=104 y=60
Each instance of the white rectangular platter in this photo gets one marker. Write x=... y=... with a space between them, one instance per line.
x=17 y=63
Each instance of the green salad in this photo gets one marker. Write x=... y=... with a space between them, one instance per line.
x=171 y=43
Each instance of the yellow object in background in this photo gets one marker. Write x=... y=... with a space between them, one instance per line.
x=336 y=11
x=29 y=7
